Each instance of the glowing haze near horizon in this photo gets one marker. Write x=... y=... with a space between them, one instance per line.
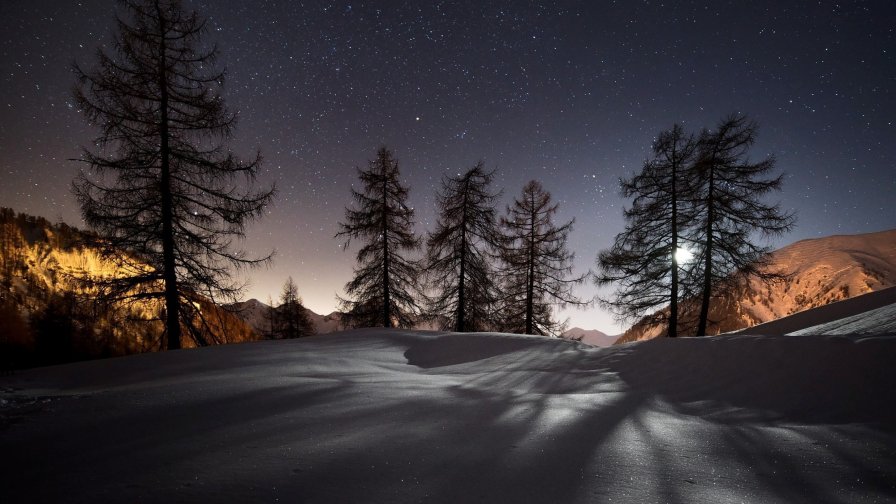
x=570 y=93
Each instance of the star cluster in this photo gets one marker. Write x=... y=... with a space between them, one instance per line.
x=570 y=93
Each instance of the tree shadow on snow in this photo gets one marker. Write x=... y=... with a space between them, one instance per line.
x=460 y=418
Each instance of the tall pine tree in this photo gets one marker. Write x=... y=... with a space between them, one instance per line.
x=536 y=264
x=459 y=252
x=291 y=319
x=644 y=261
x=385 y=288
x=161 y=183
x=732 y=211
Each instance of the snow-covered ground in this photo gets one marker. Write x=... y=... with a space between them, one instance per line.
x=871 y=313
x=401 y=416
x=883 y=318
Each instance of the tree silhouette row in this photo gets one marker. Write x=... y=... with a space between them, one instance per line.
x=479 y=272
x=161 y=184
x=702 y=194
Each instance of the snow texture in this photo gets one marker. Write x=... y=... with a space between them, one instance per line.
x=872 y=313
x=410 y=416
x=881 y=319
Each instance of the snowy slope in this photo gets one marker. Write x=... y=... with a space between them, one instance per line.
x=253 y=312
x=872 y=313
x=403 y=416
x=881 y=319
x=825 y=270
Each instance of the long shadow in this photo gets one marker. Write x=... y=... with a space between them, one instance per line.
x=832 y=393
x=414 y=423
x=809 y=380
x=116 y=439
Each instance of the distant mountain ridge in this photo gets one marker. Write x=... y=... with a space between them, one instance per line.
x=257 y=315
x=824 y=270
x=590 y=336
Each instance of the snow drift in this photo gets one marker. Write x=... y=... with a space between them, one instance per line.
x=404 y=416
x=872 y=313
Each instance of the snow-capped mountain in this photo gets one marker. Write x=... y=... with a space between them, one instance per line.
x=591 y=337
x=824 y=270
x=257 y=315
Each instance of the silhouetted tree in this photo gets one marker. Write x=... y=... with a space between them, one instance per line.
x=55 y=329
x=644 y=259
x=270 y=320
x=292 y=320
x=459 y=252
x=11 y=246
x=731 y=210
x=384 y=289
x=161 y=184
x=536 y=265
x=16 y=341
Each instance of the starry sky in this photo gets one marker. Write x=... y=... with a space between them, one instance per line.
x=570 y=93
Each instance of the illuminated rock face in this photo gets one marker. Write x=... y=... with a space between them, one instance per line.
x=824 y=270
x=42 y=267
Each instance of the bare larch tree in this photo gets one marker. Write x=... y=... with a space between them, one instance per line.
x=732 y=211
x=460 y=251
x=536 y=264
x=643 y=262
x=386 y=285
x=291 y=319
x=162 y=189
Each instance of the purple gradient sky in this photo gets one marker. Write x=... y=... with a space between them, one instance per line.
x=570 y=93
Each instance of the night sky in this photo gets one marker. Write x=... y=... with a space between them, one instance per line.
x=570 y=93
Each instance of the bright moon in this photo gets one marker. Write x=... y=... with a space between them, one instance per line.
x=683 y=255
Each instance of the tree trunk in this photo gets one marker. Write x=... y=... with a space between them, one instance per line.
x=530 y=281
x=707 y=273
x=169 y=266
x=673 y=295
x=387 y=319
x=461 y=297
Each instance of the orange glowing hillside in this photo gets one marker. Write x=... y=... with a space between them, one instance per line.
x=823 y=270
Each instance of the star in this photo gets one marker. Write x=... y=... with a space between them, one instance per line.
x=535 y=90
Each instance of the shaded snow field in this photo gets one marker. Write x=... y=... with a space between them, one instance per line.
x=400 y=416
x=409 y=416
